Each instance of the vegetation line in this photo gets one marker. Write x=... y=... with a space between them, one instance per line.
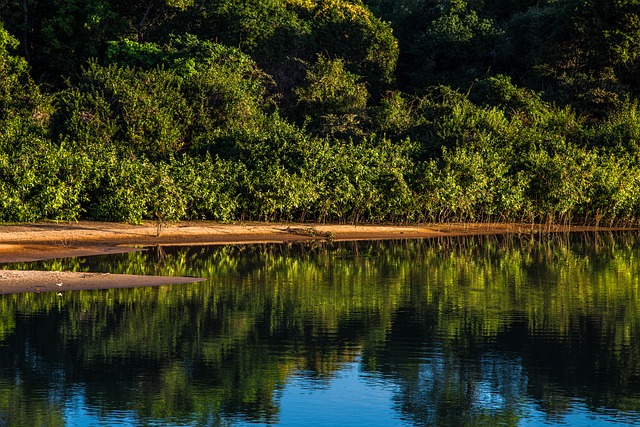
x=342 y=111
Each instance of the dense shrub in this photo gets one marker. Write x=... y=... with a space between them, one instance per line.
x=332 y=102
x=315 y=110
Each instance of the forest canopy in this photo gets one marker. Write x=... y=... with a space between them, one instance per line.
x=320 y=110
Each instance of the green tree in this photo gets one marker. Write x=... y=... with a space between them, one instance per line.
x=283 y=35
x=135 y=111
x=446 y=43
x=333 y=101
x=59 y=36
x=583 y=53
x=38 y=180
x=19 y=96
x=223 y=89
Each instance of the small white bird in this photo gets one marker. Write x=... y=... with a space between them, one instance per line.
x=59 y=294
x=59 y=284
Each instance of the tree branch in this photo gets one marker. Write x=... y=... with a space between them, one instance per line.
x=144 y=19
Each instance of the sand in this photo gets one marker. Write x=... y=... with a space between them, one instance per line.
x=19 y=281
x=47 y=240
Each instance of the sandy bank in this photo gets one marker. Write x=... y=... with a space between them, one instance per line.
x=17 y=281
x=48 y=240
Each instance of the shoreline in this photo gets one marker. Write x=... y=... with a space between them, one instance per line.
x=49 y=240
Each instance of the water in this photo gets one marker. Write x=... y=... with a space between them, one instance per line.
x=484 y=331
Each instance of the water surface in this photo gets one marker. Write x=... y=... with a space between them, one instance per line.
x=478 y=331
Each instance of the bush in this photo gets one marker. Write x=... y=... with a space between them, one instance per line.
x=40 y=181
x=123 y=192
x=332 y=102
x=211 y=187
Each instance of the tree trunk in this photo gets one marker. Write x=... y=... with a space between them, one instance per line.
x=25 y=31
x=144 y=20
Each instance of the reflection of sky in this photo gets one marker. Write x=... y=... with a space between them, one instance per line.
x=354 y=398
x=349 y=399
x=78 y=414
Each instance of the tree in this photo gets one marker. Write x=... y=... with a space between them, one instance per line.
x=447 y=43
x=157 y=100
x=283 y=35
x=333 y=102
x=18 y=93
x=581 y=52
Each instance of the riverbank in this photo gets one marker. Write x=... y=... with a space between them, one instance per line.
x=48 y=240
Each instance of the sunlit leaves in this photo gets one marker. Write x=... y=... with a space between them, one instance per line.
x=180 y=4
x=333 y=100
x=288 y=110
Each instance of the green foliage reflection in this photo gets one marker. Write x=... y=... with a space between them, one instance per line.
x=448 y=320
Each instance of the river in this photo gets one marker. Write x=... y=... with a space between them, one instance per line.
x=477 y=331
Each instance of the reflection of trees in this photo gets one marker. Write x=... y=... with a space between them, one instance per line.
x=566 y=311
x=465 y=327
